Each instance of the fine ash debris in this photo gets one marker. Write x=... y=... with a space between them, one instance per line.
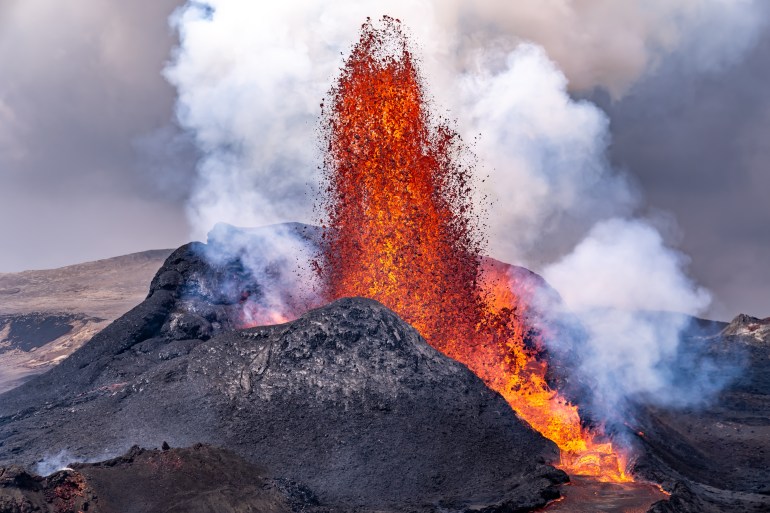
x=348 y=400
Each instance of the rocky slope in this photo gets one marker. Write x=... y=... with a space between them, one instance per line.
x=351 y=402
x=716 y=457
x=348 y=400
x=46 y=315
x=199 y=479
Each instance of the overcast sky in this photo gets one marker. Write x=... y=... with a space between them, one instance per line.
x=79 y=86
x=92 y=166
x=700 y=147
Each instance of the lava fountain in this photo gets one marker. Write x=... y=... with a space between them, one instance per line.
x=400 y=227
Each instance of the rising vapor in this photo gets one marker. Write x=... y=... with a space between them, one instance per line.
x=250 y=78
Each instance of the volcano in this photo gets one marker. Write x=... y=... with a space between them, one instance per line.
x=402 y=228
x=350 y=403
x=348 y=400
x=379 y=362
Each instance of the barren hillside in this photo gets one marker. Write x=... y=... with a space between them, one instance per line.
x=46 y=314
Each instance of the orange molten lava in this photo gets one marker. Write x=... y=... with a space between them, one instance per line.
x=393 y=190
x=400 y=229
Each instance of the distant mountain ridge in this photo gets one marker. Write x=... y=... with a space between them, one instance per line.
x=45 y=315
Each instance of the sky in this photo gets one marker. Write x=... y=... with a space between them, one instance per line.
x=102 y=152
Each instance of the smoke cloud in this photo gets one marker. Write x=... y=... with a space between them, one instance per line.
x=55 y=462
x=625 y=264
x=561 y=209
x=278 y=258
x=250 y=77
x=629 y=298
x=545 y=155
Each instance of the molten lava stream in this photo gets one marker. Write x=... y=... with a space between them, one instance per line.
x=519 y=377
x=400 y=229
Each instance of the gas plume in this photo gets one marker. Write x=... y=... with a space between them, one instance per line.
x=251 y=76
x=54 y=462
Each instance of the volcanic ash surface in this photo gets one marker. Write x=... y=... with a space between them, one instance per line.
x=348 y=400
x=199 y=479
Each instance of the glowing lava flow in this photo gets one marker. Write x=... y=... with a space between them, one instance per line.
x=400 y=229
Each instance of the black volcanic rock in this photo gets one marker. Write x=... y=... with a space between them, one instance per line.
x=199 y=291
x=348 y=400
x=200 y=479
x=715 y=457
x=353 y=369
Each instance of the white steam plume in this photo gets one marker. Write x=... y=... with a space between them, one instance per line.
x=625 y=264
x=626 y=291
x=562 y=210
x=545 y=155
x=54 y=463
x=251 y=76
